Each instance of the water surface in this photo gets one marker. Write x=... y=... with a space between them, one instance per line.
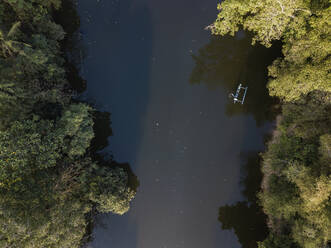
x=166 y=81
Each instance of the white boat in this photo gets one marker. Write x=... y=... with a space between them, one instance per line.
x=236 y=97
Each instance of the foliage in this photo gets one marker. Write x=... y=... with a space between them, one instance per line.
x=49 y=183
x=292 y=81
x=110 y=192
x=268 y=19
x=304 y=27
x=306 y=65
x=77 y=124
x=276 y=241
x=296 y=188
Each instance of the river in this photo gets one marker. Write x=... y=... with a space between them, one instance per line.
x=165 y=80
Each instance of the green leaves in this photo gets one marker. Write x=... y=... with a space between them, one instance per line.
x=25 y=147
x=297 y=184
x=77 y=123
x=111 y=192
x=305 y=29
x=293 y=81
x=267 y=19
x=306 y=65
x=296 y=188
x=49 y=183
x=276 y=241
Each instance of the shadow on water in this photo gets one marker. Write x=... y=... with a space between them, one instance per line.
x=227 y=61
x=75 y=51
x=118 y=36
x=222 y=64
x=115 y=60
x=130 y=73
x=72 y=45
x=102 y=131
x=246 y=217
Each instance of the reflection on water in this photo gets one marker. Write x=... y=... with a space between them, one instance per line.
x=246 y=217
x=102 y=130
x=76 y=51
x=176 y=136
x=72 y=45
x=227 y=61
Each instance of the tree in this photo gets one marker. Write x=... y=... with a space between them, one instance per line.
x=296 y=186
x=51 y=182
x=10 y=46
x=267 y=19
x=110 y=191
x=293 y=81
x=76 y=123
x=301 y=24
x=27 y=146
x=277 y=241
x=48 y=183
x=35 y=10
x=306 y=65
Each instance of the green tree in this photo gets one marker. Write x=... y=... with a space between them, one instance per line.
x=110 y=191
x=277 y=241
x=267 y=19
x=77 y=124
x=50 y=181
x=306 y=64
x=48 y=185
x=304 y=26
x=10 y=46
x=293 y=81
x=296 y=186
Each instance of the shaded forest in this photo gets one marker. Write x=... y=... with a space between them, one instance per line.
x=296 y=186
x=52 y=180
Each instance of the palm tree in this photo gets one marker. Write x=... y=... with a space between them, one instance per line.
x=8 y=45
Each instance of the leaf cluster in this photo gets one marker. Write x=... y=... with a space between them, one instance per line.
x=49 y=181
x=296 y=189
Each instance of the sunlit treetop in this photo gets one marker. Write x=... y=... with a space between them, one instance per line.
x=267 y=19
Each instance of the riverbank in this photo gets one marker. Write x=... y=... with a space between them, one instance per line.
x=188 y=144
x=296 y=186
x=266 y=167
x=51 y=178
x=296 y=167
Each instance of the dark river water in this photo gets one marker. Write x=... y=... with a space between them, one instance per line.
x=165 y=80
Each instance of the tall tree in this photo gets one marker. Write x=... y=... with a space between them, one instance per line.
x=267 y=19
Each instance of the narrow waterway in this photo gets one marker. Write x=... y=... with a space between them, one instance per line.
x=166 y=82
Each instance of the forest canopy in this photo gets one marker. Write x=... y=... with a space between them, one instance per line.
x=304 y=28
x=50 y=181
x=296 y=188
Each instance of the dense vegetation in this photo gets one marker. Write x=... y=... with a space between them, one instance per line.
x=296 y=188
x=50 y=181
